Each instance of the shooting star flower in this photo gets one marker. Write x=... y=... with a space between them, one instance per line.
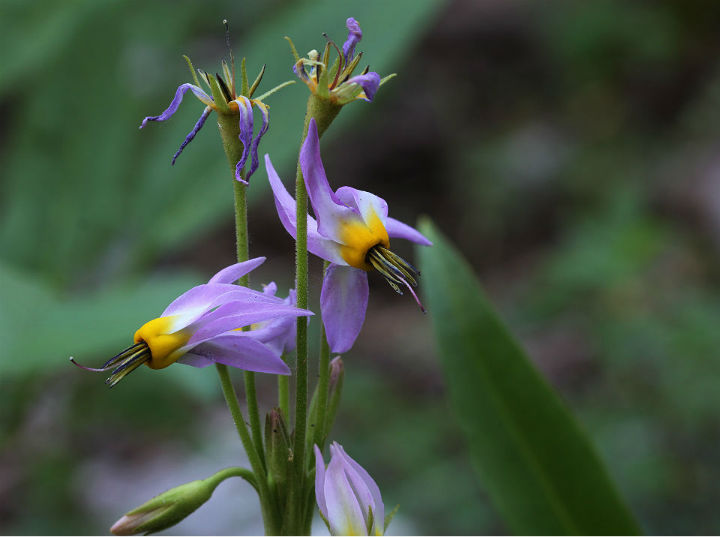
x=353 y=232
x=200 y=328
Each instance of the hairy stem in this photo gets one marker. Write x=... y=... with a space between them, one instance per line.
x=324 y=112
x=229 y=131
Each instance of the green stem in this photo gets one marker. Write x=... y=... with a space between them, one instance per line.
x=270 y=516
x=229 y=131
x=241 y=234
x=324 y=372
x=284 y=395
x=234 y=471
x=324 y=112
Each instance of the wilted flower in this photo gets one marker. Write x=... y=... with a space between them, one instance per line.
x=200 y=328
x=335 y=81
x=348 y=498
x=353 y=232
x=233 y=103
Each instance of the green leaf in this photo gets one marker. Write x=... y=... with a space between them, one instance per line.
x=538 y=466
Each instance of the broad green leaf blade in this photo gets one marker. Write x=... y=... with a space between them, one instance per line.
x=538 y=466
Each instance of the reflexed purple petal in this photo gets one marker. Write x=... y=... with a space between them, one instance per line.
x=354 y=37
x=369 y=483
x=344 y=513
x=233 y=316
x=330 y=213
x=369 y=82
x=365 y=203
x=254 y=162
x=234 y=272
x=320 y=482
x=195 y=360
x=246 y=131
x=237 y=350
x=202 y=298
x=167 y=114
x=285 y=204
x=278 y=334
x=396 y=228
x=343 y=301
x=189 y=137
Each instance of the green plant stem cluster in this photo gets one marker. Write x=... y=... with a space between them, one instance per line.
x=284 y=484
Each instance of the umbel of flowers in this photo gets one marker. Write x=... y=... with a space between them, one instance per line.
x=225 y=322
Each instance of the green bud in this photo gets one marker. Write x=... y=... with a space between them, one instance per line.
x=335 y=384
x=279 y=452
x=166 y=509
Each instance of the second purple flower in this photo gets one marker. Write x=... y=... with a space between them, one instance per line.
x=353 y=232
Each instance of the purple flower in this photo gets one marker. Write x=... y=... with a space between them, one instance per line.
x=238 y=104
x=335 y=82
x=200 y=327
x=348 y=498
x=353 y=232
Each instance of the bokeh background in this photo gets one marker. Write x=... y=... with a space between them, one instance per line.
x=570 y=149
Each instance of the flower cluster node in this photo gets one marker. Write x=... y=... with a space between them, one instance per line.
x=335 y=81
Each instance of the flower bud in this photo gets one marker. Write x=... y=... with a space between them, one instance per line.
x=348 y=498
x=337 y=375
x=277 y=444
x=166 y=509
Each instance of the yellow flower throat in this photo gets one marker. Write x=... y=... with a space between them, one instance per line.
x=162 y=344
x=358 y=237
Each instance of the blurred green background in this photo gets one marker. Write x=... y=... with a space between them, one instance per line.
x=569 y=148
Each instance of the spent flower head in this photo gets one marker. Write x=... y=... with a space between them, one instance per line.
x=200 y=328
x=353 y=232
x=335 y=81
x=227 y=99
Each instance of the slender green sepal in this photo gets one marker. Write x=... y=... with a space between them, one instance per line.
x=244 y=88
x=326 y=54
x=351 y=67
x=293 y=49
x=192 y=70
x=386 y=78
x=218 y=95
x=227 y=75
x=333 y=71
x=323 y=81
x=389 y=517
x=274 y=90
x=255 y=84
x=370 y=520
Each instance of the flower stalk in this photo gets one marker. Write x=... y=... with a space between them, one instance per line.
x=324 y=112
x=233 y=146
